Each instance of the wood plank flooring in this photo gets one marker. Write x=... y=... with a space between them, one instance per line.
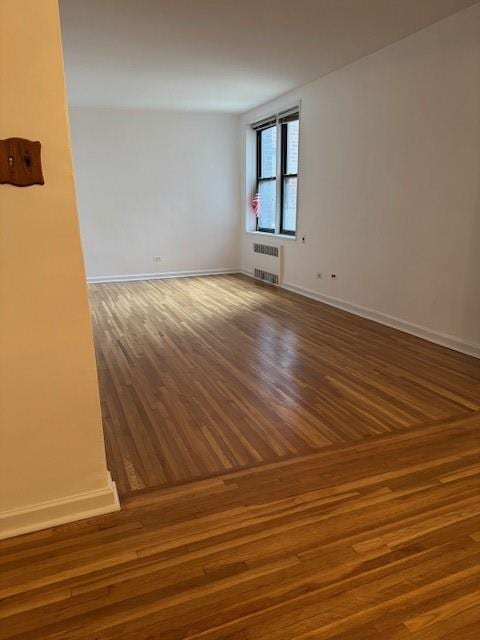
x=372 y=540
x=204 y=376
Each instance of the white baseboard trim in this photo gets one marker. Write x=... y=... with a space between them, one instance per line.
x=132 y=277
x=43 y=515
x=445 y=340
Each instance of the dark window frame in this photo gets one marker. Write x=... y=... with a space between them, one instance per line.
x=259 y=174
x=281 y=175
x=284 y=175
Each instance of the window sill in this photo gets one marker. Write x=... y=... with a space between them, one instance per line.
x=272 y=235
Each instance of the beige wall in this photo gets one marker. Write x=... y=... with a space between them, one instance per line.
x=389 y=187
x=157 y=183
x=51 y=436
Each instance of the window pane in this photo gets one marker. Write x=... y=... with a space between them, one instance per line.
x=289 y=204
x=292 y=146
x=268 y=198
x=268 y=164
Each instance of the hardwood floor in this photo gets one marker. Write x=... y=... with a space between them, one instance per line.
x=374 y=540
x=348 y=501
x=203 y=376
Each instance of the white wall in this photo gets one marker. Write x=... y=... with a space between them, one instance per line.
x=154 y=183
x=389 y=187
x=52 y=456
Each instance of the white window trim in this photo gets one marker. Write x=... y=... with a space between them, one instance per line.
x=283 y=236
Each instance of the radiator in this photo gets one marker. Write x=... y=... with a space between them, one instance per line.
x=267 y=262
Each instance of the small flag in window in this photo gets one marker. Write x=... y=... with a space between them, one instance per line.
x=255 y=204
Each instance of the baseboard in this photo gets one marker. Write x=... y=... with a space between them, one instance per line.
x=445 y=340
x=132 y=277
x=54 y=512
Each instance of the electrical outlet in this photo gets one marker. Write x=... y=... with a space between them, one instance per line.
x=157 y=258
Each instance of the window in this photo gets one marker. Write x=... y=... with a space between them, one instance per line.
x=267 y=178
x=277 y=174
x=289 y=163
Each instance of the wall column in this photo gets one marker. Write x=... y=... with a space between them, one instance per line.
x=52 y=454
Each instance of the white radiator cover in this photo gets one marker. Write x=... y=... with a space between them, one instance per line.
x=267 y=261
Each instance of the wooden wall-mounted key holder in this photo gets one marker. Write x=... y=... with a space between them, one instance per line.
x=20 y=162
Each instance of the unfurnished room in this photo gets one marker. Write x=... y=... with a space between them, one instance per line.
x=239 y=320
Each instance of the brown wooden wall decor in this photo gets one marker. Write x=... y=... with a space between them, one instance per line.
x=20 y=162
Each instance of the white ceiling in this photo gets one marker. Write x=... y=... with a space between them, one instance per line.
x=223 y=55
